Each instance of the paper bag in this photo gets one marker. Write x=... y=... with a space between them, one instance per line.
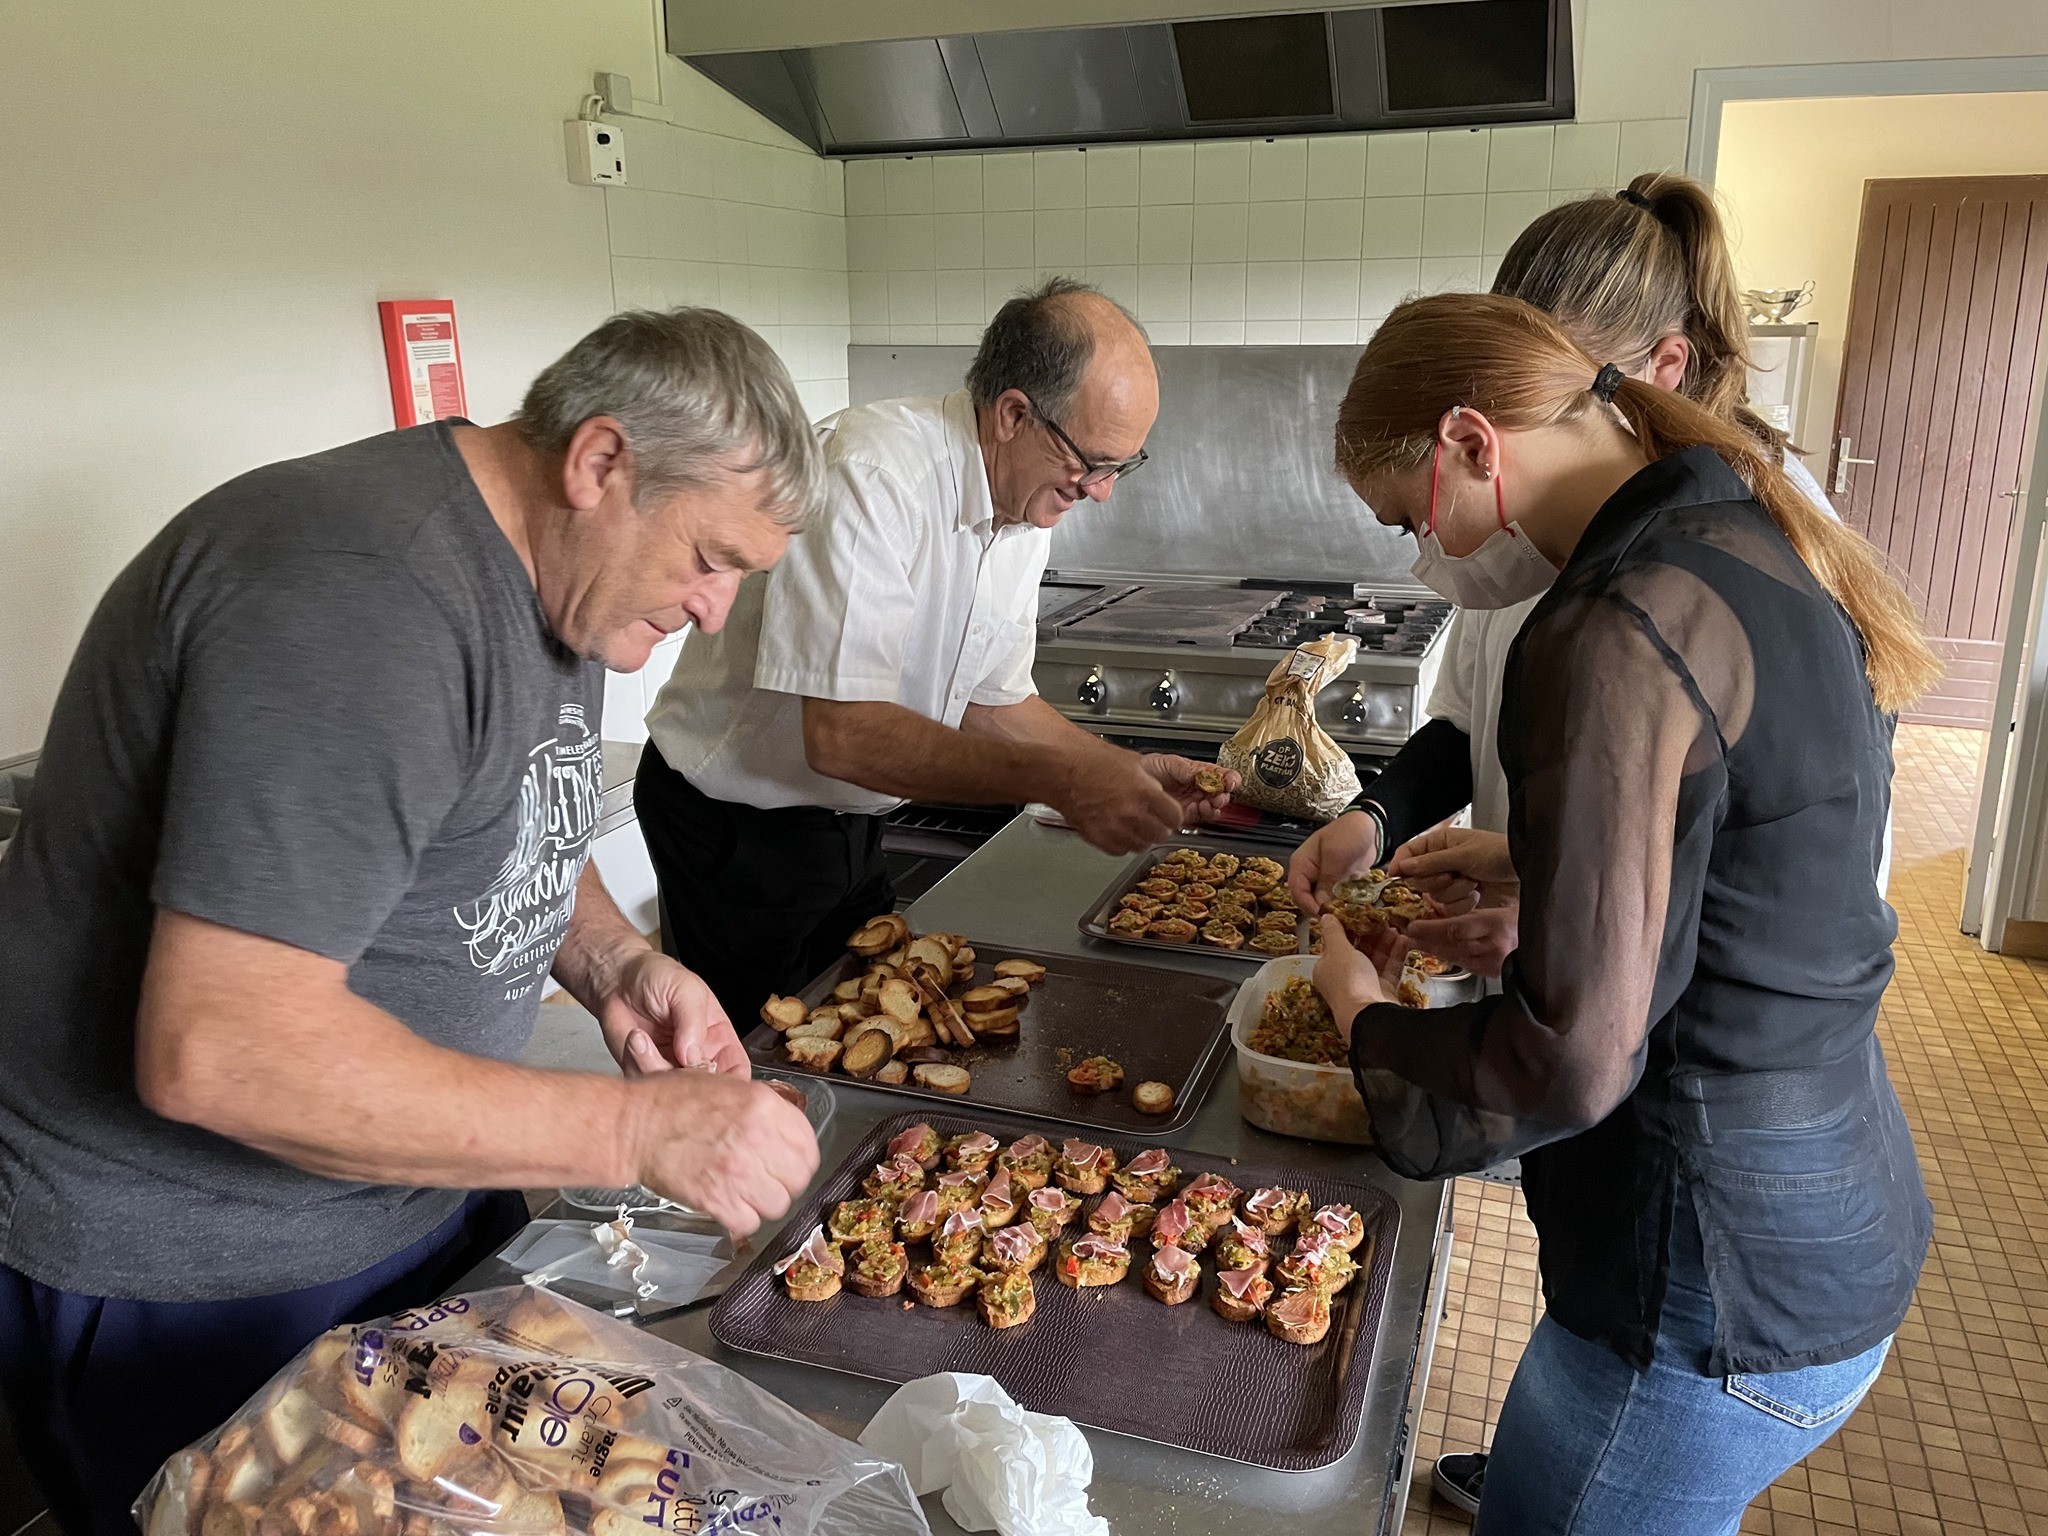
x=1288 y=762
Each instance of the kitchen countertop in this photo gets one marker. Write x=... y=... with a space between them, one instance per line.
x=1028 y=887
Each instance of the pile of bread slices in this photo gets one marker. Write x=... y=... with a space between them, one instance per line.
x=908 y=1015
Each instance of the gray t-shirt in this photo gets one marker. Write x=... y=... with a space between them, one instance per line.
x=322 y=706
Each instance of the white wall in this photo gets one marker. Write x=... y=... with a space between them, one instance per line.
x=1221 y=242
x=202 y=205
x=1792 y=174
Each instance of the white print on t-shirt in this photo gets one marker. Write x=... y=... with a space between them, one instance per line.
x=513 y=929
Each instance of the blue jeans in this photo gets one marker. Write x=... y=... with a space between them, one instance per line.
x=1587 y=1447
x=103 y=1391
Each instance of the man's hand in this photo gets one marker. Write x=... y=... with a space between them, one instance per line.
x=1351 y=979
x=1176 y=775
x=661 y=1016
x=1112 y=798
x=1348 y=846
x=1456 y=864
x=733 y=1149
x=1480 y=940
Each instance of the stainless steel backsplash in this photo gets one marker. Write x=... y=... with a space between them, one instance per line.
x=1240 y=481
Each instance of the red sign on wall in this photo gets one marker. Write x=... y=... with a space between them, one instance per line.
x=424 y=358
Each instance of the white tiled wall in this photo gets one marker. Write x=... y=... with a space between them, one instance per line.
x=755 y=229
x=1224 y=241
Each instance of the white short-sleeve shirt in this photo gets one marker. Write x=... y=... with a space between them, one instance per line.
x=904 y=592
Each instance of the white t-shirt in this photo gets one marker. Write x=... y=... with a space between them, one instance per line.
x=1468 y=685
x=904 y=592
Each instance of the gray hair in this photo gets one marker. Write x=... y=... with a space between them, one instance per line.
x=1039 y=344
x=700 y=397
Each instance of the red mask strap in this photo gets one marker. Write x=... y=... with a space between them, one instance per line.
x=1436 y=469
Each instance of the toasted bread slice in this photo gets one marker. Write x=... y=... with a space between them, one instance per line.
x=784 y=1012
x=1152 y=1098
x=1000 y=1025
x=876 y=936
x=823 y=1026
x=942 y=1079
x=987 y=999
x=1023 y=970
x=814 y=1051
x=894 y=1073
x=918 y=1032
x=870 y=1049
x=935 y=952
x=899 y=1000
x=846 y=991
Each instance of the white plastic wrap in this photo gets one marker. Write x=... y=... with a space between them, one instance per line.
x=1003 y=1468
x=516 y=1412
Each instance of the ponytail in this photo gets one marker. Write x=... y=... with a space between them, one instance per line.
x=1511 y=361
x=1896 y=656
x=1621 y=273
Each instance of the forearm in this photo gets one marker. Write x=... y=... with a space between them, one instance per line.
x=1429 y=779
x=267 y=1046
x=896 y=751
x=598 y=944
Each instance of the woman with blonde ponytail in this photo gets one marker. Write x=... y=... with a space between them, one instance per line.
x=1642 y=279
x=1695 y=731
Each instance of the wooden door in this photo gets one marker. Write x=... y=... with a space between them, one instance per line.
x=1938 y=374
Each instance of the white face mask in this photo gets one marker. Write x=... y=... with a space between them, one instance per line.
x=1507 y=569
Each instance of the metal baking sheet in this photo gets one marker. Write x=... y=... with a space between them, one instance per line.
x=1095 y=921
x=1112 y=1357
x=1162 y=1025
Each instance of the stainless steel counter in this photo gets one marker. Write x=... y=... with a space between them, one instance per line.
x=1028 y=886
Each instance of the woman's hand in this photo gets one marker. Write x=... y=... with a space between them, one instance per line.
x=1350 y=979
x=1348 y=846
x=1480 y=940
x=1457 y=864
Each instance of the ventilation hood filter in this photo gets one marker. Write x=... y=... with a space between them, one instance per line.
x=1453 y=63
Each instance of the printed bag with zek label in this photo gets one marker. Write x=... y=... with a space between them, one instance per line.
x=518 y=1413
x=1287 y=760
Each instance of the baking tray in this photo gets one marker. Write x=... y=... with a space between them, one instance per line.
x=1112 y=1357
x=1166 y=1025
x=1095 y=921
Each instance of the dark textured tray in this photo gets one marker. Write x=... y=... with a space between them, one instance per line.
x=1111 y=1358
x=1168 y=1026
x=1095 y=921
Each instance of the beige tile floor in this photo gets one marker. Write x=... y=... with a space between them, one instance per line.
x=1954 y=1436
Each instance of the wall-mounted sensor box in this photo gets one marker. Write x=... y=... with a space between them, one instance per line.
x=597 y=153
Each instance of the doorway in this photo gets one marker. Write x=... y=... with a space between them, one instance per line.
x=1931 y=436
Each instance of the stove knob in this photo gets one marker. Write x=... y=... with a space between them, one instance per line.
x=1092 y=690
x=1354 y=707
x=1166 y=694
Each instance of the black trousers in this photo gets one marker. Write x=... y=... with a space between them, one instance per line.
x=756 y=901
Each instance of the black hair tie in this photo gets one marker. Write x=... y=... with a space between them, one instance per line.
x=1631 y=195
x=1606 y=382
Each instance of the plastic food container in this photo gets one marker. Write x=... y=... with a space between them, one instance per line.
x=1295 y=1098
x=1291 y=1098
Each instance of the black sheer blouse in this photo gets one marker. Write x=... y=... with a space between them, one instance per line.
x=1699 y=780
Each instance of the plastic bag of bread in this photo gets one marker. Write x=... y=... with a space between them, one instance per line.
x=515 y=1411
x=1289 y=763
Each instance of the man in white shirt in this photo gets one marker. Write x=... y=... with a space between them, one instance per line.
x=889 y=656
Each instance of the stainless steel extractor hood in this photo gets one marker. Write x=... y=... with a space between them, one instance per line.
x=1446 y=64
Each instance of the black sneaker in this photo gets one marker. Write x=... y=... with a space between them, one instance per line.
x=1460 y=1478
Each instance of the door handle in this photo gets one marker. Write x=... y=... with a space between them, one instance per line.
x=1842 y=463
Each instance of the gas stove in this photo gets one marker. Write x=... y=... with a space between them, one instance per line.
x=1188 y=661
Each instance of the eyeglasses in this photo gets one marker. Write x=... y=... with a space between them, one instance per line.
x=1093 y=471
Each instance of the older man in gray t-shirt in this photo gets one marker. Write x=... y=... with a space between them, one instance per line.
x=311 y=828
